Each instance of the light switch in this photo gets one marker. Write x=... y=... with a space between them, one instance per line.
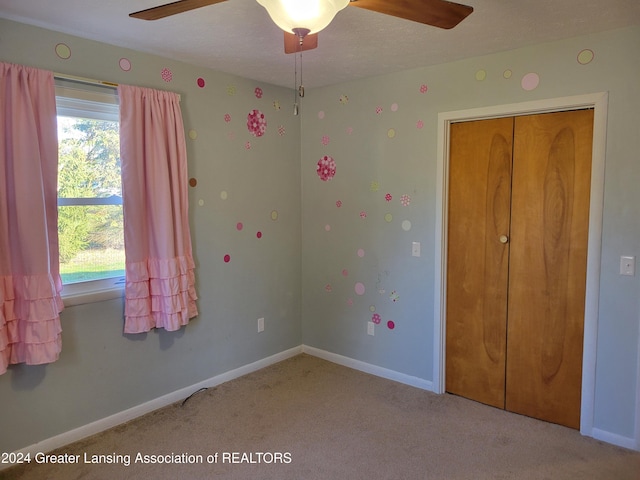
x=627 y=266
x=415 y=249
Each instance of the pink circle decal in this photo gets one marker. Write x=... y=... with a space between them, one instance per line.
x=391 y=325
x=256 y=123
x=201 y=82
x=259 y=234
x=326 y=168
x=166 y=74
x=239 y=226
x=345 y=272
x=359 y=288
x=125 y=64
x=530 y=81
x=327 y=227
x=227 y=258
x=376 y=318
x=361 y=252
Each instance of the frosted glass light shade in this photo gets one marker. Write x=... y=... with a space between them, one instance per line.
x=300 y=15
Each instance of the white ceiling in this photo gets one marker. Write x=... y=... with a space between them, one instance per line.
x=238 y=36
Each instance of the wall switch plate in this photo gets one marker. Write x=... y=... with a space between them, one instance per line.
x=371 y=328
x=627 y=266
x=415 y=249
x=261 y=324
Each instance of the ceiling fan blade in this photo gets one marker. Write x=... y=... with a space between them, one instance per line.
x=292 y=42
x=173 y=8
x=439 y=13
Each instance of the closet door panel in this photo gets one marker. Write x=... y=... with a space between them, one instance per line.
x=477 y=260
x=549 y=232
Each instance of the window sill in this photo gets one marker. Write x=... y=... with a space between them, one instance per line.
x=91 y=292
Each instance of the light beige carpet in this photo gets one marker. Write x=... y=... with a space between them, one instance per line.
x=309 y=419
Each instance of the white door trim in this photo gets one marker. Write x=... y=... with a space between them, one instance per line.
x=599 y=101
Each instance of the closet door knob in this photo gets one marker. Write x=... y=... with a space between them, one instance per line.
x=504 y=239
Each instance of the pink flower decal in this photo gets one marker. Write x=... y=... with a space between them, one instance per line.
x=281 y=130
x=328 y=288
x=256 y=123
x=419 y=124
x=227 y=117
x=166 y=74
x=325 y=140
x=247 y=145
x=363 y=214
x=349 y=130
x=376 y=318
x=378 y=110
x=405 y=200
x=326 y=168
x=388 y=197
x=339 y=203
x=258 y=92
x=423 y=88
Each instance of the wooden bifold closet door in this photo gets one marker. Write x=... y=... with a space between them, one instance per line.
x=516 y=262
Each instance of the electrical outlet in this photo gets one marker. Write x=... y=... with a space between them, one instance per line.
x=628 y=266
x=371 y=328
x=261 y=324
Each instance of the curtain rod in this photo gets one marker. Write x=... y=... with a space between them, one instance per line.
x=90 y=81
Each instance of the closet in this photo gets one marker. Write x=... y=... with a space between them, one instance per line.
x=518 y=215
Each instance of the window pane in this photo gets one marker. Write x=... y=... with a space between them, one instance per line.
x=91 y=242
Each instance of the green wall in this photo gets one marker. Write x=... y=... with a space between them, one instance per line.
x=101 y=371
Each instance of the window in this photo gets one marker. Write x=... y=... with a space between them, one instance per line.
x=90 y=219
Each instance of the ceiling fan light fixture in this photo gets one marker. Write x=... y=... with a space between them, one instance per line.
x=311 y=16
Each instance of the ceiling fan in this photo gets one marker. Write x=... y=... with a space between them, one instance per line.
x=438 y=13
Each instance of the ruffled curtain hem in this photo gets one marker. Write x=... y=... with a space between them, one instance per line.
x=160 y=293
x=30 y=330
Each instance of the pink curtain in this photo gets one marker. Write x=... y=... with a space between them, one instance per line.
x=160 y=286
x=30 y=283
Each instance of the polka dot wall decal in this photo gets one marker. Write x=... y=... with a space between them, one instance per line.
x=193 y=134
x=258 y=92
x=388 y=197
x=376 y=318
x=388 y=218
x=345 y=273
x=63 y=51
x=391 y=133
x=481 y=75
x=530 y=81
x=320 y=114
x=359 y=288
x=349 y=130
x=507 y=74
x=360 y=252
x=585 y=56
x=405 y=200
x=258 y=234
x=247 y=145
x=256 y=123
x=424 y=88
x=227 y=117
x=281 y=130
x=363 y=214
x=419 y=124
x=276 y=105
x=326 y=168
x=166 y=74
x=344 y=99
x=327 y=228
x=350 y=301
x=224 y=195
x=232 y=90
x=394 y=296
x=338 y=203
x=125 y=64
x=201 y=202
x=200 y=82
x=394 y=107
x=227 y=258
x=374 y=187
x=372 y=308
x=391 y=325
x=239 y=226
x=378 y=110
x=406 y=225
x=325 y=140
x=193 y=182
x=274 y=215
x=328 y=288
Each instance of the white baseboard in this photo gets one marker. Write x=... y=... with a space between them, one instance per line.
x=147 y=407
x=369 y=368
x=615 y=439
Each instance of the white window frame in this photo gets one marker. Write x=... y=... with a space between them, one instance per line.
x=76 y=99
